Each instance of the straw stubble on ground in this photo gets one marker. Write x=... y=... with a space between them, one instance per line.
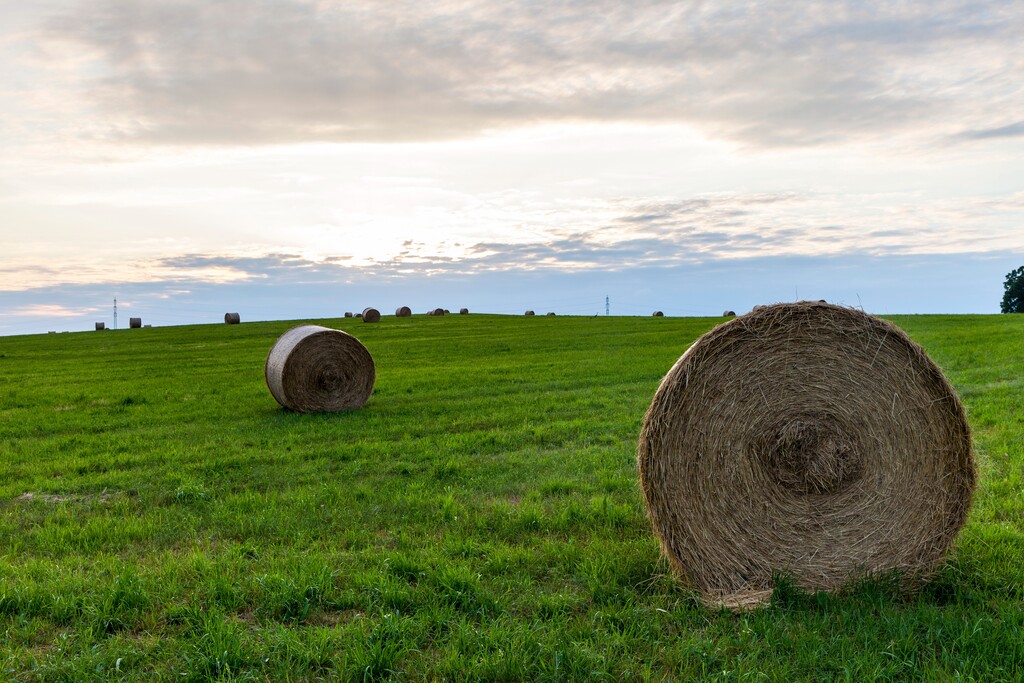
x=479 y=518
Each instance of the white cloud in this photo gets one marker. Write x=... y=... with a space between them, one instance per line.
x=764 y=73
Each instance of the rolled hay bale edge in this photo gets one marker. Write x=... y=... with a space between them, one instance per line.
x=370 y=315
x=101 y=326
x=805 y=439
x=438 y=311
x=316 y=369
x=403 y=312
x=529 y=313
x=463 y=311
x=657 y=314
x=135 y=323
x=232 y=319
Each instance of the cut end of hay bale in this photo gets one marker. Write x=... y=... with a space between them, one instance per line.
x=728 y=314
x=403 y=312
x=438 y=311
x=231 y=319
x=135 y=323
x=313 y=369
x=101 y=326
x=463 y=311
x=370 y=315
x=807 y=440
x=657 y=314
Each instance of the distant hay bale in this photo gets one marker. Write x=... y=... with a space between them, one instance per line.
x=101 y=326
x=403 y=311
x=359 y=316
x=134 y=323
x=147 y=325
x=371 y=315
x=550 y=313
x=348 y=314
x=438 y=311
x=528 y=313
x=463 y=311
x=657 y=314
x=430 y=312
x=313 y=369
x=806 y=439
x=231 y=319
x=728 y=314
x=446 y=311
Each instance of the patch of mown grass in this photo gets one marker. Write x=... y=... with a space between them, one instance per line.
x=479 y=519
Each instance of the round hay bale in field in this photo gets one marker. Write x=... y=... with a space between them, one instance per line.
x=446 y=311
x=438 y=311
x=728 y=314
x=134 y=323
x=371 y=315
x=359 y=316
x=101 y=326
x=403 y=311
x=348 y=314
x=805 y=439
x=315 y=369
x=657 y=314
x=463 y=311
x=231 y=319
x=528 y=313
x=551 y=312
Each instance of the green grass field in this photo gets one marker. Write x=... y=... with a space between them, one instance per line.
x=161 y=518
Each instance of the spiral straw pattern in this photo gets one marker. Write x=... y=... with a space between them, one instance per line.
x=807 y=439
x=316 y=369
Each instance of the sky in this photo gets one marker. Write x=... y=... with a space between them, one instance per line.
x=295 y=159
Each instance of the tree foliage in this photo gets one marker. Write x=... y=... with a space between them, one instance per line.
x=1013 y=294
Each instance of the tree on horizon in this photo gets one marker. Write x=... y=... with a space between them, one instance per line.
x=1013 y=294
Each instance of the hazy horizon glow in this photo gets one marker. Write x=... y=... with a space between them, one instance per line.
x=159 y=149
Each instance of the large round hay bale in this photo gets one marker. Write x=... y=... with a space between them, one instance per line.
x=728 y=314
x=403 y=311
x=134 y=323
x=315 y=369
x=101 y=326
x=231 y=319
x=805 y=439
x=438 y=311
x=658 y=314
x=463 y=311
x=371 y=315
x=528 y=313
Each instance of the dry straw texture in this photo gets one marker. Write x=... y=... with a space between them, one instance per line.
x=315 y=369
x=807 y=439
x=231 y=319
x=371 y=315
x=403 y=311
x=134 y=323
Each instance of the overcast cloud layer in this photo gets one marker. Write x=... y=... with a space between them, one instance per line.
x=764 y=73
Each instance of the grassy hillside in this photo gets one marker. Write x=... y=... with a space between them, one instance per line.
x=479 y=519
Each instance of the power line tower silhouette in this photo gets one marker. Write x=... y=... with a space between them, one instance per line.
x=607 y=306
x=115 y=312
